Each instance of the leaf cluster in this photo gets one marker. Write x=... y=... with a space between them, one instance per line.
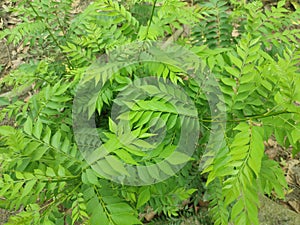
x=237 y=92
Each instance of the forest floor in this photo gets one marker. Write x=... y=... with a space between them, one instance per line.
x=272 y=211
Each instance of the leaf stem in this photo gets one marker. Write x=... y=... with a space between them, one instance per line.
x=258 y=116
x=50 y=33
x=151 y=17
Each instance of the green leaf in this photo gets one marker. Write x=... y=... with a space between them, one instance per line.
x=47 y=135
x=116 y=164
x=151 y=89
x=177 y=158
x=6 y=130
x=55 y=141
x=50 y=172
x=125 y=219
x=237 y=209
x=37 y=129
x=91 y=177
x=96 y=212
x=242 y=127
x=112 y=126
x=296 y=135
x=257 y=150
x=28 y=126
x=144 y=175
x=65 y=145
x=125 y=156
x=61 y=171
x=3 y=101
x=166 y=168
x=19 y=175
x=233 y=71
x=145 y=118
x=143 y=144
x=144 y=197
x=241 y=139
x=236 y=61
x=172 y=121
x=39 y=152
x=28 y=188
x=228 y=81
x=241 y=53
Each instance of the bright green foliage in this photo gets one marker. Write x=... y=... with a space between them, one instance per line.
x=44 y=23
x=274 y=27
x=257 y=71
x=215 y=30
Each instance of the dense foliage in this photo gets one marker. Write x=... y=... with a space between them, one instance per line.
x=47 y=178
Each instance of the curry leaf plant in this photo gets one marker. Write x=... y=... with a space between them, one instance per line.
x=173 y=99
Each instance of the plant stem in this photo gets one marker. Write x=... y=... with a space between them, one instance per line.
x=151 y=17
x=258 y=116
x=50 y=33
